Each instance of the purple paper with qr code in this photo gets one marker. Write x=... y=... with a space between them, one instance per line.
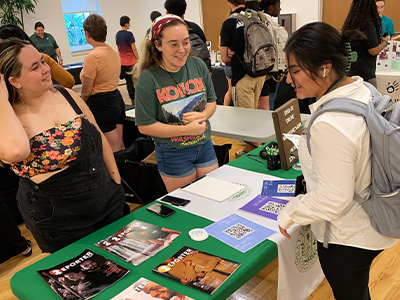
x=282 y=188
x=265 y=206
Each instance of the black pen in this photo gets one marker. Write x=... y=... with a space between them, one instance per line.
x=256 y=159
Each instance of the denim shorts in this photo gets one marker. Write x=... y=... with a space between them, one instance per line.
x=183 y=162
x=228 y=72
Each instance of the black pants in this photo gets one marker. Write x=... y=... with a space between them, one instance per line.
x=126 y=73
x=347 y=270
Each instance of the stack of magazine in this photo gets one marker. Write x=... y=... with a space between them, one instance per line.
x=197 y=269
x=138 y=241
x=83 y=276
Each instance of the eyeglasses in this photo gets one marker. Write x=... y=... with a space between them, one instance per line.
x=176 y=45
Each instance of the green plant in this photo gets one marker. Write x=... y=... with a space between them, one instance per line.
x=12 y=11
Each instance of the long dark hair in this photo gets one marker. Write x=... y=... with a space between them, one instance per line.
x=360 y=13
x=316 y=43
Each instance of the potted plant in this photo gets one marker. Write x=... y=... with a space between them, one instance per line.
x=11 y=11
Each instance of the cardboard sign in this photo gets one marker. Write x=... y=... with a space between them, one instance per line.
x=287 y=120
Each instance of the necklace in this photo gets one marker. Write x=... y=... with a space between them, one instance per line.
x=189 y=92
x=335 y=85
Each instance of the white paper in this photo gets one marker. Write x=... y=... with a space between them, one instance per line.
x=294 y=138
x=213 y=188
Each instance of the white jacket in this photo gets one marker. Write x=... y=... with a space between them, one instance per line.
x=340 y=165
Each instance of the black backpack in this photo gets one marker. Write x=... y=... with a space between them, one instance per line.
x=199 y=48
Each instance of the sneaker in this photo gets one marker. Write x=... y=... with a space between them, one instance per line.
x=28 y=250
x=240 y=153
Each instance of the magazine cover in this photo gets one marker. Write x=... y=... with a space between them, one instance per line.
x=144 y=289
x=197 y=269
x=83 y=276
x=138 y=241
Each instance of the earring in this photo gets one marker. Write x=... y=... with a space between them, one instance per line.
x=324 y=72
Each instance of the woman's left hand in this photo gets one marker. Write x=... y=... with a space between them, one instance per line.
x=284 y=233
x=189 y=117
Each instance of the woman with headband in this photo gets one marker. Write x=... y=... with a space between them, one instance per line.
x=174 y=99
x=340 y=165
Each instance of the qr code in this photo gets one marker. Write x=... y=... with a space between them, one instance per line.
x=286 y=188
x=238 y=231
x=272 y=207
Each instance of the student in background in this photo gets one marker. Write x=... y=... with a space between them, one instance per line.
x=363 y=17
x=153 y=15
x=128 y=53
x=100 y=79
x=174 y=99
x=58 y=73
x=387 y=23
x=340 y=164
x=46 y=43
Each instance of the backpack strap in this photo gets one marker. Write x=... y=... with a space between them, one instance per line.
x=336 y=105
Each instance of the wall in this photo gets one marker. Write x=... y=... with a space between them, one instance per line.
x=50 y=13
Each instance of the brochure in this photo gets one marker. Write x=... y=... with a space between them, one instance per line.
x=282 y=188
x=213 y=188
x=197 y=269
x=269 y=207
x=238 y=232
x=138 y=241
x=144 y=289
x=83 y=276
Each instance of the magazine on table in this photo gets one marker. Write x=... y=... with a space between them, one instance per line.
x=144 y=289
x=138 y=241
x=83 y=276
x=201 y=270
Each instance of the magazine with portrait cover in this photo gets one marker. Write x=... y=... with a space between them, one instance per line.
x=144 y=289
x=138 y=241
x=197 y=269
x=83 y=276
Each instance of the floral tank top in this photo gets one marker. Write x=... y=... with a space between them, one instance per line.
x=52 y=149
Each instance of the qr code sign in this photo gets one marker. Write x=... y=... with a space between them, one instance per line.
x=286 y=188
x=272 y=207
x=238 y=231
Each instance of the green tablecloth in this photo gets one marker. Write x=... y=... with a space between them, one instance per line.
x=27 y=284
x=244 y=162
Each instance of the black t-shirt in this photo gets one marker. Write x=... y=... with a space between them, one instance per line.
x=232 y=36
x=196 y=29
x=365 y=65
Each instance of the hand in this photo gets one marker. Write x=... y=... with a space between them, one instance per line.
x=231 y=53
x=284 y=233
x=3 y=88
x=60 y=61
x=196 y=127
x=189 y=117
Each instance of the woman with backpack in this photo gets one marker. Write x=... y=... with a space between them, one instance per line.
x=174 y=99
x=338 y=164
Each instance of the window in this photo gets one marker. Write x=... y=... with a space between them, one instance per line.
x=75 y=12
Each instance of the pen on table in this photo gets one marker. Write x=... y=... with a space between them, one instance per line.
x=253 y=158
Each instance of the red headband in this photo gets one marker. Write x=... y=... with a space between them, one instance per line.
x=159 y=24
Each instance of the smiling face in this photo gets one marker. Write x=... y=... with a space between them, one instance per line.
x=303 y=83
x=35 y=75
x=40 y=31
x=174 y=46
x=380 y=5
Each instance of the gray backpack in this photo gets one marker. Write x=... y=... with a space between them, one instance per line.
x=382 y=116
x=259 y=51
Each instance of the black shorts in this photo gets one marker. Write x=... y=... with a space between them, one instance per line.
x=108 y=109
x=268 y=87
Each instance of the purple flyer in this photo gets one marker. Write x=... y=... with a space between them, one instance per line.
x=265 y=206
x=282 y=188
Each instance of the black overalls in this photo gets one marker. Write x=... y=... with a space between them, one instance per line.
x=76 y=201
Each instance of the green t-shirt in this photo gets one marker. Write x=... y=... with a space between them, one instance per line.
x=158 y=99
x=387 y=25
x=46 y=45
